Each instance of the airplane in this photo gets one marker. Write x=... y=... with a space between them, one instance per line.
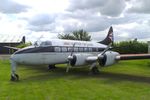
x=72 y=52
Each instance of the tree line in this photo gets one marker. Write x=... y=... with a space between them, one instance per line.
x=124 y=47
x=130 y=47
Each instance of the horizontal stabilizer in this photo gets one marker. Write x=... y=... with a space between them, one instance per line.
x=12 y=47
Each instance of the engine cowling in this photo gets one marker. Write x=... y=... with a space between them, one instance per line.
x=108 y=58
x=79 y=59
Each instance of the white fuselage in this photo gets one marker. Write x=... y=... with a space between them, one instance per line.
x=55 y=52
x=44 y=58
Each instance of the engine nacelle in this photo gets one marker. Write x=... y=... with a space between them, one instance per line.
x=79 y=59
x=108 y=58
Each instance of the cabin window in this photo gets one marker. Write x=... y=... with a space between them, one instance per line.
x=86 y=50
x=57 y=49
x=51 y=49
x=100 y=49
x=75 y=49
x=94 y=49
x=90 y=49
x=69 y=49
x=64 y=49
x=80 y=49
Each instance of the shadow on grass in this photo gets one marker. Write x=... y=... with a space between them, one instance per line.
x=44 y=74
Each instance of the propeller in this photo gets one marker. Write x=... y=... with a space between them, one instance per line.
x=70 y=58
x=101 y=55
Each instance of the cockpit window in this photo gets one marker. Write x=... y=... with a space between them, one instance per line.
x=46 y=43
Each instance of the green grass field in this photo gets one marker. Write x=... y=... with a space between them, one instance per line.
x=127 y=80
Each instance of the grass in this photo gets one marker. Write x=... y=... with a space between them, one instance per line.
x=127 y=80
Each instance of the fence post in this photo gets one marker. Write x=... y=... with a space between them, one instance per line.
x=148 y=46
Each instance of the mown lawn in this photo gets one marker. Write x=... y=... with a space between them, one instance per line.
x=127 y=80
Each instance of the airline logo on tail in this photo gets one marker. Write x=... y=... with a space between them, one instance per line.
x=111 y=37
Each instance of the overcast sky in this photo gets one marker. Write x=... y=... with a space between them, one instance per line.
x=47 y=18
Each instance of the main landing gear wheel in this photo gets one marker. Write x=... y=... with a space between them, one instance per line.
x=51 y=67
x=14 y=77
x=95 y=70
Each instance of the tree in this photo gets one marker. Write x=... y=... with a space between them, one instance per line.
x=76 y=35
x=65 y=36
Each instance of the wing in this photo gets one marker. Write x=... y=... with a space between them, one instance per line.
x=133 y=56
x=110 y=57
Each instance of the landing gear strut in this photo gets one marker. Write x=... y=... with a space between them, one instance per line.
x=14 y=76
x=94 y=69
x=51 y=67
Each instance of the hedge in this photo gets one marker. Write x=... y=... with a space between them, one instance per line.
x=130 y=47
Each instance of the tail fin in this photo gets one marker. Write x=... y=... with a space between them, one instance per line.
x=109 y=39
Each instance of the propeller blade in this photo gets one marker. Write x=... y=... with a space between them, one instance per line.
x=101 y=55
x=72 y=49
x=70 y=58
x=106 y=49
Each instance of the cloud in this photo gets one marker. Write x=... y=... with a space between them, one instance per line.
x=139 y=30
x=105 y=7
x=68 y=22
x=42 y=19
x=113 y=8
x=129 y=18
x=85 y=4
x=139 y=6
x=11 y=7
x=47 y=27
x=42 y=22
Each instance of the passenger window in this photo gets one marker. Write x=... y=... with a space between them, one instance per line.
x=64 y=49
x=51 y=49
x=80 y=49
x=100 y=49
x=85 y=49
x=90 y=49
x=57 y=49
x=75 y=49
x=94 y=49
x=69 y=49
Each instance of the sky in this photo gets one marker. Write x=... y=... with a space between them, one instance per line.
x=46 y=19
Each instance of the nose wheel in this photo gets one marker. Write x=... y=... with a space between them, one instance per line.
x=14 y=77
